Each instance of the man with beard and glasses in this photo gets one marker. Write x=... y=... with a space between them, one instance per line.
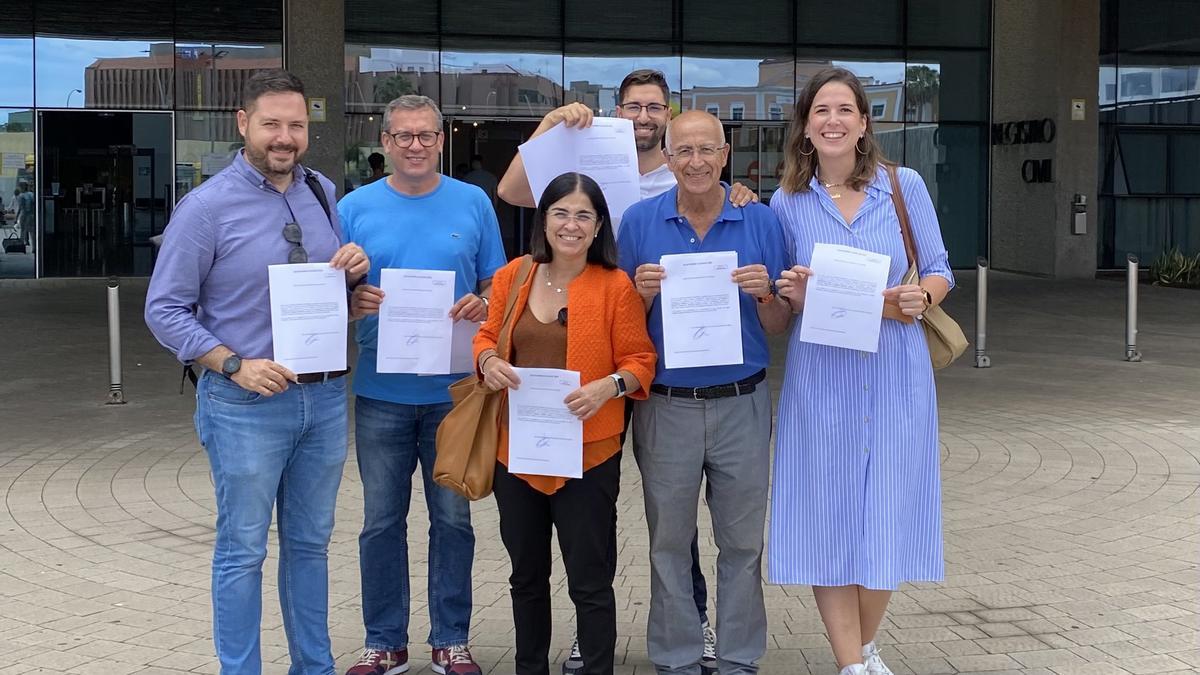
x=645 y=100
x=275 y=439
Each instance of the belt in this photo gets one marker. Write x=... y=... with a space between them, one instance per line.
x=739 y=388
x=310 y=378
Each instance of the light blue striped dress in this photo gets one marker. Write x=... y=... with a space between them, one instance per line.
x=856 y=497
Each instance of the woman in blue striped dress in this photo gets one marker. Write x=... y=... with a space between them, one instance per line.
x=856 y=501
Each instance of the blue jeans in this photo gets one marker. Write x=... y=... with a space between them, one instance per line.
x=284 y=451
x=390 y=438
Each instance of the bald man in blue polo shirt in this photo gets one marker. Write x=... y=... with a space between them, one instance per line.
x=709 y=422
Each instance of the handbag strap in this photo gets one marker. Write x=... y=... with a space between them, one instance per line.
x=506 y=327
x=910 y=245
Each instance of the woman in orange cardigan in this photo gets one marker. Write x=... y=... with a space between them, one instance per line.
x=577 y=311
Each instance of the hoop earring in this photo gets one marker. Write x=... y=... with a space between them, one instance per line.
x=861 y=152
x=810 y=152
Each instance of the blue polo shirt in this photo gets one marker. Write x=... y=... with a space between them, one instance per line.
x=653 y=228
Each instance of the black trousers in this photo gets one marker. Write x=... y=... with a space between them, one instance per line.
x=583 y=513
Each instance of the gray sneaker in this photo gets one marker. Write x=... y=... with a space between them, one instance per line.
x=573 y=665
x=708 y=660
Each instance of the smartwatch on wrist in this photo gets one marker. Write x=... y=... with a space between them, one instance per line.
x=620 y=382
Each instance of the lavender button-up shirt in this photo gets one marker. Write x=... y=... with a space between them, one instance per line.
x=210 y=281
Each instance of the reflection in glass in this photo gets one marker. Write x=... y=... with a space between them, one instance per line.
x=377 y=75
x=525 y=83
x=738 y=88
x=205 y=143
x=16 y=71
x=594 y=80
x=106 y=187
x=890 y=136
x=211 y=76
x=952 y=158
x=950 y=85
x=1158 y=90
x=882 y=78
x=16 y=172
x=76 y=73
x=362 y=139
x=1148 y=226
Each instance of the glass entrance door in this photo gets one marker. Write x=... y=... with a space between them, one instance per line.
x=479 y=151
x=756 y=157
x=105 y=181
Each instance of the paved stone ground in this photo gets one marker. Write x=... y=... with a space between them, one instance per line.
x=1070 y=478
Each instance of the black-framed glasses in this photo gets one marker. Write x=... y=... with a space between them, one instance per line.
x=635 y=109
x=295 y=236
x=562 y=316
x=404 y=139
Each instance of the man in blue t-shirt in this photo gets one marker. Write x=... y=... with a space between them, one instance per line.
x=415 y=219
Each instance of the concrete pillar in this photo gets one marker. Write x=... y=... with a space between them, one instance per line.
x=314 y=51
x=1045 y=53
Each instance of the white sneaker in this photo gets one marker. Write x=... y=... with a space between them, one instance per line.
x=854 y=669
x=573 y=665
x=708 y=660
x=872 y=660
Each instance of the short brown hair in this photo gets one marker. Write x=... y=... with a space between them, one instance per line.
x=273 y=81
x=645 y=76
x=798 y=166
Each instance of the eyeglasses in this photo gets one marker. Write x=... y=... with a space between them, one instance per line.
x=585 y=218
x=636 y=108
x=685 y=153
x=295 y=236
x=405 y=139
x=562 y=316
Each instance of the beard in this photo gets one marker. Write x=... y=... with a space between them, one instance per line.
x=261 y=159
x=651 y=142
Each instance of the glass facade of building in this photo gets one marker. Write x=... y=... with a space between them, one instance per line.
x=111 y=111
x=1149 y=129
x=497 y=66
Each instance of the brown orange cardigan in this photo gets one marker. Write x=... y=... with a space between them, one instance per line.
x=606 y=332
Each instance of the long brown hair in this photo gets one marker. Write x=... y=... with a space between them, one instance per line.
x=799 y=168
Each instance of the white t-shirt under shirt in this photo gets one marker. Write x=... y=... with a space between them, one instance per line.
x=652 y=184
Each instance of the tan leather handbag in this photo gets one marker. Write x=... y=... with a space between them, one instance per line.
x=469 y=436
x=946 y=339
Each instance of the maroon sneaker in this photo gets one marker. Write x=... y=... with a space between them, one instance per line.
x=377 y=662
x=455 y=660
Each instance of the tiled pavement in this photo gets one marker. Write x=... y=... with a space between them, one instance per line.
x=1070 y=476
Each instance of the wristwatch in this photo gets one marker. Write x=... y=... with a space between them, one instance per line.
x=770 y=293
x=231 y=365
x=928 y=298
x=620 y=381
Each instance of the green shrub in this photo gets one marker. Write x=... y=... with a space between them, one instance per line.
x=1173 y=268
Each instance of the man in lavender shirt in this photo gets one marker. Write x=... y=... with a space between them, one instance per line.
x=273 y=438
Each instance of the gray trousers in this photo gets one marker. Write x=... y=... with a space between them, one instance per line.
x=678 y=441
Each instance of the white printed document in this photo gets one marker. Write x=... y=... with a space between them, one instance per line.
x=308 y=317
x=544 y=438
x=462 y=346
x=843 y=303
x=604 y=151
x=415 y=328
x=701 y=313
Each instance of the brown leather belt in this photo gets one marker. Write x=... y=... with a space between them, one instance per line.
x=310 y=378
